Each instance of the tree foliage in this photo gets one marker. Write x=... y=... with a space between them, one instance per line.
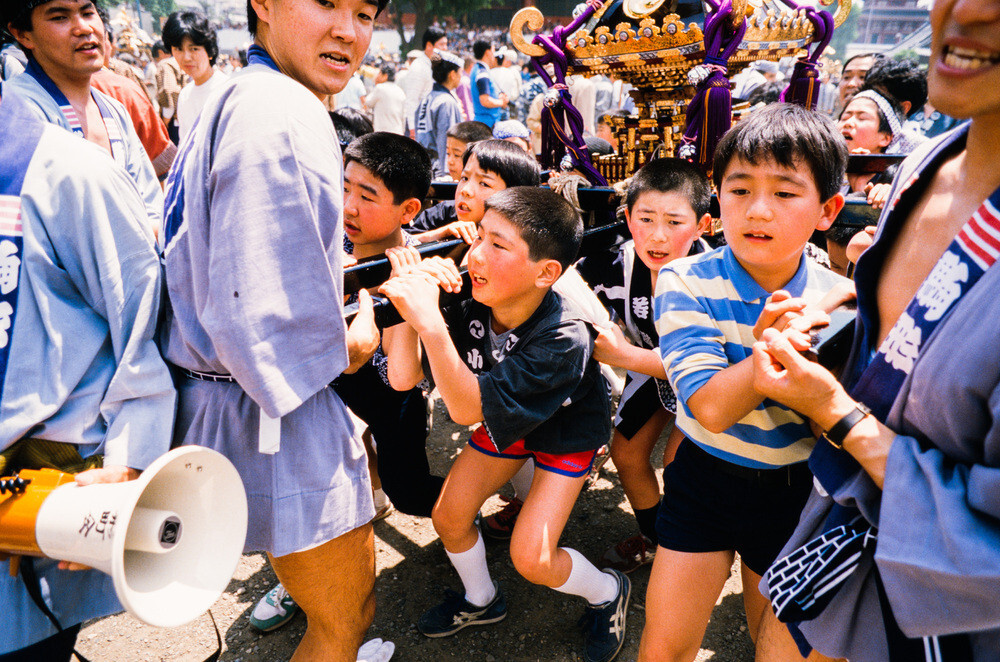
x=428 y=11
x=847 y=33
x=158 y=8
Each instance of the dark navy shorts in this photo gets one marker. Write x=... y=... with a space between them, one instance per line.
x=711 y=505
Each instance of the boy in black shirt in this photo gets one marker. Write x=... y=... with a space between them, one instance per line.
x=518 y=358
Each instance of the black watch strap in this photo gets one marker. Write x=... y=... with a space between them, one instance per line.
x=835 y=436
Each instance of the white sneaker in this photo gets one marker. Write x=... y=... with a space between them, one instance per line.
x=376 y=650
x=273 y=610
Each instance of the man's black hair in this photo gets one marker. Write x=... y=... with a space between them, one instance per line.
x=441 y=67
x=548 y=224
x=507 y=161
x=195 y=26
x=18 y=12
x=158 y=47
x=400 y=163
x=787 y=134
x=349 y=124
x=252 y=15
x=480 y=47
x=431 y=36
x=389 y=71
x=903 y=80
x=470 y=132
x=853 y=58
x=668 y=176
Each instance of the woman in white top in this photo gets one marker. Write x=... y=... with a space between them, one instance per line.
x=192 y=41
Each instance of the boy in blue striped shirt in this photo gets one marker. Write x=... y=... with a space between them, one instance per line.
x=739 y=479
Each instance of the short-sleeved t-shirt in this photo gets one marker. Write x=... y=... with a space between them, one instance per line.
x=705 y=309
x=483 y=84
x=542 y=385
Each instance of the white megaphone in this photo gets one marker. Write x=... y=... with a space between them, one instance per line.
x=170 y=539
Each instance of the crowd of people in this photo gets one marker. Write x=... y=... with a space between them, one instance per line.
x=173 y=247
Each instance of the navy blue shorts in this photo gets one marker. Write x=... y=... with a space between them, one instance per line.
x=710 y=505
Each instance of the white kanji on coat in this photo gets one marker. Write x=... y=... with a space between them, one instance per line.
x=943 y=286
x=640 y=305
x=6 y=313
x=902 y=344
x=10 y=266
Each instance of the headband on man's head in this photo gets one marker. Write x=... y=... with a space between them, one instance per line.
x=885 y=108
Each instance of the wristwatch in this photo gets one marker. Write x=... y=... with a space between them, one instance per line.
x=835 y=435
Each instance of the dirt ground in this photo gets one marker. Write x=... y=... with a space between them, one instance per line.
x=412 y=573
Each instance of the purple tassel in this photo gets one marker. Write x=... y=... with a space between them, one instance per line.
x=709 y=116
x=803 y=86
x=710 y=113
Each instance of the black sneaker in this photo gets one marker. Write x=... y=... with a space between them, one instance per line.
x=605 y=624
x=456 y=613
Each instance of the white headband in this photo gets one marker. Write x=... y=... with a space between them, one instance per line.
x=886 y=109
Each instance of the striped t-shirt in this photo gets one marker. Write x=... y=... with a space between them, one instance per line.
x=705 y=308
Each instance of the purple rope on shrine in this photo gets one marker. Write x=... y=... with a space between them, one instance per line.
x=803 y=86
x=559 y=108
x=709 y=115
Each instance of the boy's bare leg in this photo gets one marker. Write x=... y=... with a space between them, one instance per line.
x=334 y=584
x=683 y=589
x=473 y=479
x=673 y=442
x=753 y=600
x=534 y=545
x=631 y=458
x=775 y=644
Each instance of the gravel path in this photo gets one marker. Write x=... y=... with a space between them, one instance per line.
x=412 y=573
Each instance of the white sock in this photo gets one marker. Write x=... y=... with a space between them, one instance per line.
x=587 y=581
x=475 y=575
x=521 y=482
x=380 y=499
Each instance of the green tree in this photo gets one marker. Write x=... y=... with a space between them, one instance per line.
x=847 y=33
x=428 y=11
x=158 y=8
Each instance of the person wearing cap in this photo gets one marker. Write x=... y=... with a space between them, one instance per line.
x=419 y=80
x=440 y=110
x=64 y=42
x=515 y=132
x=758 y=73
x=254 y=326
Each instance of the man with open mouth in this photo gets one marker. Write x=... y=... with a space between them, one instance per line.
x=253 y=253
x=64 y=41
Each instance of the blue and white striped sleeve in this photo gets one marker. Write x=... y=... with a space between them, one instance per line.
x=692 y=346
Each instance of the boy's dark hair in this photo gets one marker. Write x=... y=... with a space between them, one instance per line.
x=787 y=134
x=389 y=71
x=548 y=224
x=670 y=175
x=252 y=15
x=766 y=93
x=507 y=161
x=350 y=124
x=400 y=163
x=840 y=234
x=470 y=132
x=195 y=26
x=480 y=47
x=158 y=47
x=903 y=80
x=441 y=67
x=431 y=36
